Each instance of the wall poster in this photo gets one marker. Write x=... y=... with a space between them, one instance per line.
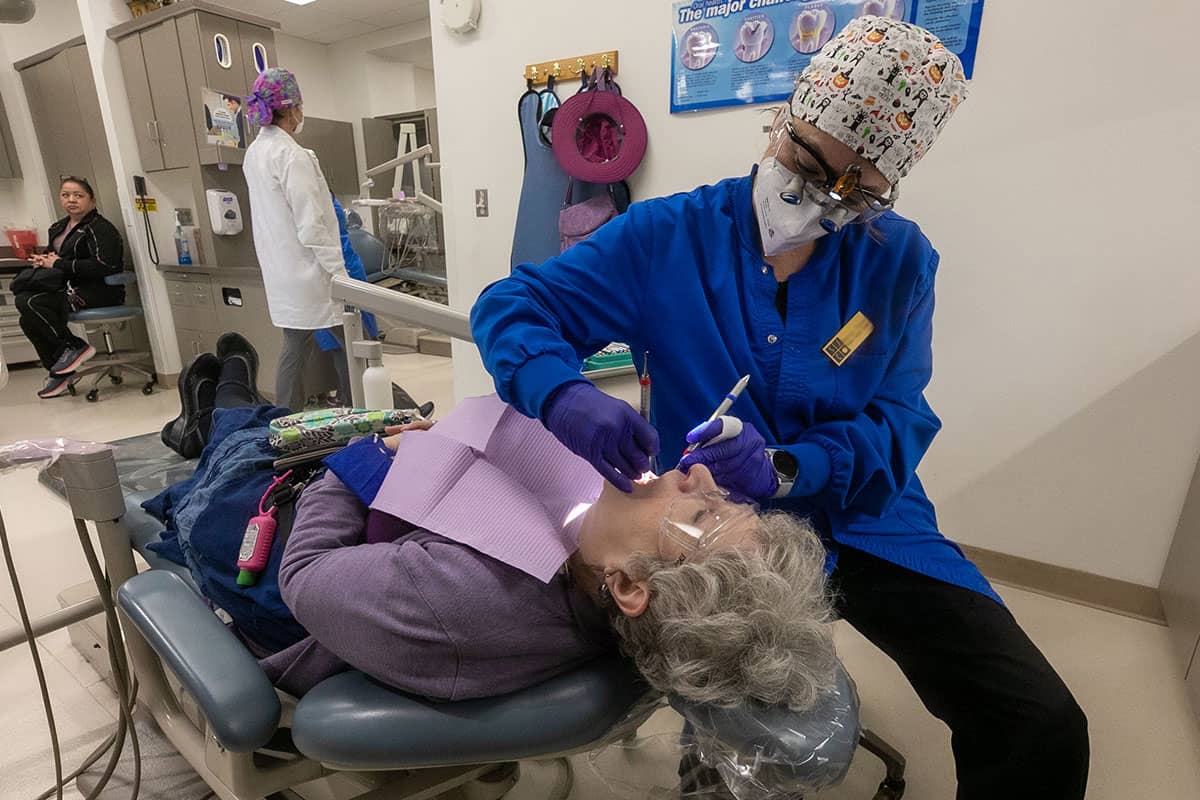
x=224 y=119
x=732 y=52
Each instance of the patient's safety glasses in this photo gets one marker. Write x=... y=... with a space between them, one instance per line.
x=842 y=193
x=699 y=521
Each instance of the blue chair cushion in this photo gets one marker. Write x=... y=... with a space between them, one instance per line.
x=351 y=722
x=371 y=250
x=121 y=279
x=106 y=314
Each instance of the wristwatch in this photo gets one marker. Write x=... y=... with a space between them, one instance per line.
x=787 y=468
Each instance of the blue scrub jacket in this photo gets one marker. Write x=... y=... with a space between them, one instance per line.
x=684 y=278
x=356 y=270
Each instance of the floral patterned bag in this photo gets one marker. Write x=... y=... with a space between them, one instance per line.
x=332 y=427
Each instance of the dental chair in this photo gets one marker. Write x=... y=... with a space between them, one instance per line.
x=373 y=251
x=368 y=246
x=247 y=739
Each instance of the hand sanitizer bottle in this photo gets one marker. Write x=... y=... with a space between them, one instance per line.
x=182 y=249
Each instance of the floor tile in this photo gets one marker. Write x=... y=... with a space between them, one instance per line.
x=26 y=763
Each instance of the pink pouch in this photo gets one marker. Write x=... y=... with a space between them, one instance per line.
x=579 y=221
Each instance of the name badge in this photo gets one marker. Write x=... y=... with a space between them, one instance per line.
x=848 y=339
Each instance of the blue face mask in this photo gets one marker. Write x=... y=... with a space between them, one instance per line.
x=781 y=225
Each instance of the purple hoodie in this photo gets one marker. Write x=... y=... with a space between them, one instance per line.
x=419 y=611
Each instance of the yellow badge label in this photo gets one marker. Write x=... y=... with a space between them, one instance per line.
x=145 y=204
x=848 y=339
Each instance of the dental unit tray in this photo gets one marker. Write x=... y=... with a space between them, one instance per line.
x=614 y=357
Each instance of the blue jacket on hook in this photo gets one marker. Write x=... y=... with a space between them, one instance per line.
x=683 y=277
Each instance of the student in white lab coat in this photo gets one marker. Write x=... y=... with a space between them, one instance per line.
x=295 y=234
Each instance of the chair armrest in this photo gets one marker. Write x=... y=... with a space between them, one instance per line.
x=121 y=279
x=233 y=692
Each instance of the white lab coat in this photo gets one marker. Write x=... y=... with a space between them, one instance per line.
x=295 y=231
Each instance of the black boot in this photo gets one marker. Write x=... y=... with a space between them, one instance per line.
x=186 y=434
x=235 y=346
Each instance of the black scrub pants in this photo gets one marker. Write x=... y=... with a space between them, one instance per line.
x=1016 y=731
x=44 y=321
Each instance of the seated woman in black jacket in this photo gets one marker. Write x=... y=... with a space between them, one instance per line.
x=85 y=248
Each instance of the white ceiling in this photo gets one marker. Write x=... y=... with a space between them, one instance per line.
x=329 y=21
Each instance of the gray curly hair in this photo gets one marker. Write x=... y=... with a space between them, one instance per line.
x=738 y=624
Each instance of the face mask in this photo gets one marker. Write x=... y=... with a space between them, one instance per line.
x=781 y=225
x=300 y=125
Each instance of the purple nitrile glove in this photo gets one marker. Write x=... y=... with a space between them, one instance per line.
x=736 y=455
x=603 y=430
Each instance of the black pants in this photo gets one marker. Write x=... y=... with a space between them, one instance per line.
x=44 y=321
x=1016 y=730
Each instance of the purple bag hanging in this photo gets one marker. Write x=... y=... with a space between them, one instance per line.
x=579 y=221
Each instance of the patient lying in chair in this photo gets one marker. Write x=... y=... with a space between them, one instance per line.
x=479 y=556
x=456 y=594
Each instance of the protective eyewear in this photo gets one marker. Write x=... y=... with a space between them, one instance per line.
x=699 y=521
x=842 y=196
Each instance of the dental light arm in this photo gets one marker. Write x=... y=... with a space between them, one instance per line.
x=421 y=153
x=399 y=161
x=406 y=308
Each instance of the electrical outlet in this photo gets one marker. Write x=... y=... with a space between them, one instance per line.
x=139 y=185
x=481 y=202
x=185 y=216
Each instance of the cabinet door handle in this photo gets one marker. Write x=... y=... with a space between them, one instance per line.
x=158 y=134
x=150 y=131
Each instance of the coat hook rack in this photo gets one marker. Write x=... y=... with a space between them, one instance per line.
x=572 y=67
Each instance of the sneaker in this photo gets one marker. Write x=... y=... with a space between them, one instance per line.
x=402 y=399
x=72 y=359
x=56 y=386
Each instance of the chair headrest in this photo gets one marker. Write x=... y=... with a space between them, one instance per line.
x=772 y=746
x=353 y=220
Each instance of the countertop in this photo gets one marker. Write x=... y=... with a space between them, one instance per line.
x=202 y=269
x=11 y=266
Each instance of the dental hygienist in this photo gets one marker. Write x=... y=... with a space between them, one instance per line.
x=800 y=275
x=296 y=234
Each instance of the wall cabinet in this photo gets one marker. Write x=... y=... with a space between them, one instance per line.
x=169 y=63
x=10 y=165
x=333 y=142
x=257 y=50
x=205 y=305
x=70 y=132
x=169 y=58
x=153 y=69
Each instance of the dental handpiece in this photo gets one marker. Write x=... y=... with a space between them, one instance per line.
x=733 y=395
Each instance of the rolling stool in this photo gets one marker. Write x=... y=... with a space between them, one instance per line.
x=112 y=363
